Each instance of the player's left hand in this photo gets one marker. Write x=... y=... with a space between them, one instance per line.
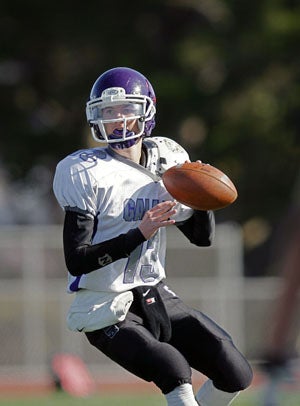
x=158 y=216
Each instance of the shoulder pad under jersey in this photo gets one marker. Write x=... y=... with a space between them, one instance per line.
x=163 y=153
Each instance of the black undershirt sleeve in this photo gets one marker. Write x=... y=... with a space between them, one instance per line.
x=199 y=228
x=81 y=256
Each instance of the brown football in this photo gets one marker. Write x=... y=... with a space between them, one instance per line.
x=200 y=186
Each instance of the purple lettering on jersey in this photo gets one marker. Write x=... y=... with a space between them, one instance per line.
x=134 y=210
x=140 y=209
x=129 y=209
x=155 y=202
x=92 y=155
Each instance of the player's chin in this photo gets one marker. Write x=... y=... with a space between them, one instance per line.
x=123 y=144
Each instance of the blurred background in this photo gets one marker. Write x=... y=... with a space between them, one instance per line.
x=227 y=81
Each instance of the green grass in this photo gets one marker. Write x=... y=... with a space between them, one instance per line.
x=65 y=400
x=250 y=398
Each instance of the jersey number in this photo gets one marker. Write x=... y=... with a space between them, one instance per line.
x=147 y=272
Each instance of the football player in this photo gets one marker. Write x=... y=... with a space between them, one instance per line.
x=116 y=213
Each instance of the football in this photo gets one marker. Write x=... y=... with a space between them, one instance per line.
x=199 y=186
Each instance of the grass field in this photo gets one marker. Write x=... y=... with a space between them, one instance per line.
x=252 y=398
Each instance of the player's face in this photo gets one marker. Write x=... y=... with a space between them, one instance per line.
x=118 y=116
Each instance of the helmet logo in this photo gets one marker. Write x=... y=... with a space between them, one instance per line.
x=113 y=92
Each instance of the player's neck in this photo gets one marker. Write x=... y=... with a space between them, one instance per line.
x=133 y=153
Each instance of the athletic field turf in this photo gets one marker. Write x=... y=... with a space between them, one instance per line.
x=253 y=398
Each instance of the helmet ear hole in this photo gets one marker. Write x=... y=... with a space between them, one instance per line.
x=149 y=126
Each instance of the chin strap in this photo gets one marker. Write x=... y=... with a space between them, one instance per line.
x=122 y=144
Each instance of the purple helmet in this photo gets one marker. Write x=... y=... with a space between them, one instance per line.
x=125 y=90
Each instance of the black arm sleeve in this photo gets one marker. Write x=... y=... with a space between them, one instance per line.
x=199 y=228
x=81 y=256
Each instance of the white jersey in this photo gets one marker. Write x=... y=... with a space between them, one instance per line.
x=117 y=192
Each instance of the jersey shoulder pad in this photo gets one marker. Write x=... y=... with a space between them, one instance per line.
x=74 y=182
x=82 y=156
x=87 y=160
x=164 y=153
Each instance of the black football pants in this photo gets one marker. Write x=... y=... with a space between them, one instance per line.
x=196 y=341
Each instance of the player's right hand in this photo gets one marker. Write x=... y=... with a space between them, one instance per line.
x=158 y=216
